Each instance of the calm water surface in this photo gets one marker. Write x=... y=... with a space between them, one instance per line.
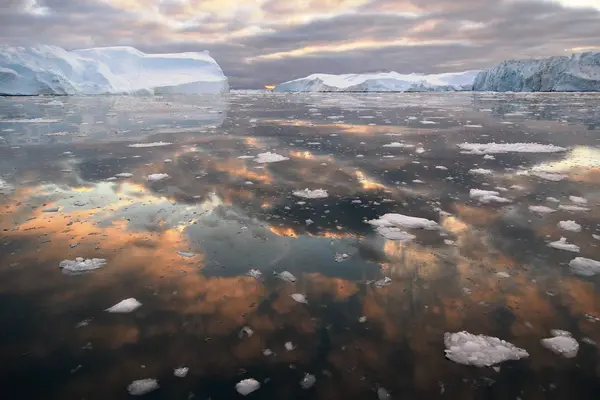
x=488 y=270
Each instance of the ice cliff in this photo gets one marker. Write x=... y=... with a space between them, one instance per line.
x=52 y=70
x=381 y=82
x=577 y=73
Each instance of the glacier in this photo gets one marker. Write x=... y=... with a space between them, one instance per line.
x=578 y=73
x=51 y=70
x=381 y=82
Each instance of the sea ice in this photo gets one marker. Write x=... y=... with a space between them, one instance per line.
x=562 y=344
x=268 y=157
x=247 y=386
x=300 y=298
x=585 y=266
x=125 y=306
x=399 y=145
x=488 y=196
x=254 y=273
x=541 y=209
x=578 y=200
x=570 y=226
x=573 y=208
x=157 y=177
x=81 y=265
x=479 y=350
x=142 y=386
x=286 y=276
x=311 y=194
x=403 y=221
x=563 y=245
x=181 y=372
x=308 y=381
x=153 y=144
x=496 y=148
x=481 y=171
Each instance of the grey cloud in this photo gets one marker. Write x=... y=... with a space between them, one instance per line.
x=510 y=30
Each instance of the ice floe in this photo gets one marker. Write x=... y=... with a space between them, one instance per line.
x=81 y=265
x=125 y=306
x=481 y=171
x=496 y=148
x=247 y=386
x=480 y=350
x=488 y=196
x=300 y=298
x=254 y=273
x=567 y=207
x=399 y=145
x=562 y=343
x=569 y=226
x=286 y=276
x=181 y=372
x=541 y=209
x=311 y=194
x=156 y=177
x=403 y=221
x=563 y=245
x=268 y=157
x=308 y=381
x=142 y=386
x=585 y=266
x=152 y=144
x=578 y=200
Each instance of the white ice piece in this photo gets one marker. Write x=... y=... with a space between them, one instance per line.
x=311 y=194
x=289 y=346
x=567 y=207
x=142 y=386
x=300 y=298
x=569 y=226
x=541 y=209
x=81 y=265
x=286 y=276
x=578 y=200
x=562 y=344
x=563 y=245
x=399 y=145
x=308 y=381
x=157 y=177
x=254 y=273
x=247 y=386
x=268 y=157
x=404 y=221
x=480 y=350
x=125 y=306
x=488 y=196
x=147 y=145
x=481 y=171
x=124 y=175
x=181 y=372
x=585 y=266
x=497 y=148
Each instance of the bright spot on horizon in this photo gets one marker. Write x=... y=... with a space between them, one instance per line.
x=269 y=86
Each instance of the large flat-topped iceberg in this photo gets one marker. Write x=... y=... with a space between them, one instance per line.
x=577 y=73
x=381 y=82
x=53 y=70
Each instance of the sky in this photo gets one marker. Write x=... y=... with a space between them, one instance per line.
x=262 y=42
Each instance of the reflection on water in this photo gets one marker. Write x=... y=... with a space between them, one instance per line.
x=71 y=185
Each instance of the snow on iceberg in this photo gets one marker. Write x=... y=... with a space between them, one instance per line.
x=577 y=73
x=479 y=350
x=381 y=82
x=52 y=70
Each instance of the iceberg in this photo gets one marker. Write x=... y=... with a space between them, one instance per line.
x=51 y=70
x=578 y=73
x=381 y=82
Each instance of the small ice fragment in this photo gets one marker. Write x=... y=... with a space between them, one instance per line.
x=286 y=276
x=565 y=346
x=489 y=157
x=549 y=176
x=495 y=148
x=124 y=175
x=245 y=157
x=142 y=386
x=403 y=221
x=186 y=254
x=51 y=210
x=267 y=352
x=488 y=196
x=81 y=265
x=289 y=346
x=393 y=233
x=570 y=226
x=541 y=209
x=246 y=332
x=153 y=144
x=573 y=208
x=125 y=306
x=268 y=157
x=553 y=199
x=254 y=273
x=480 y=350
x=157 y=177
x=481 y=171
x=382 y=282
x=420 y=150
x=383 y=394
x=308 y=381
x=441 y=167
x=362 y=319
x=311 y=194
x=399 y=145
x=502 y=275
x=589 y=341
x=578 y=200
x=597 y=237
x=181 y=372
x=563 y=245
x=585 y=266
x=247 y=386
x=300 y=298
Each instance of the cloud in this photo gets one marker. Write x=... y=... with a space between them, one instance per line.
x=269 y=41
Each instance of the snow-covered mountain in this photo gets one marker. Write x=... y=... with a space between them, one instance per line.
x=381 y=82
x=53 y=70
x=577 y=73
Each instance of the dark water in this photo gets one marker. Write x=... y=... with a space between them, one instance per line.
x=236 y=214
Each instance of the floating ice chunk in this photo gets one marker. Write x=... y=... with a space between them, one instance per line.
x=31 y=121
x=481 y=171
x=153 y=144
x=393 y=233
x=573 y=208
x=142 y=386
x=383 y=394
x=267 y=352
x=245 y=157
x=124 y=175
x=247 y=386
x=479 y=350
x=157 y=177
x=254 y=273
x=496 y=148
x=362 y=319
x=563 y=245
x=81 y=265
x=441 y=167
x=549 y=176
x=502 y=275
x=181 y=372
x=403 y=221
x=489 y=157
x=562 y=344
x=286 y=276
x=473 y=126
x=246 y=331
x=570 y=226
x=300 y=298
x=399 y=145
x=585 y=266
x=578 y=200
x=488 y=196
x=268 y=157
x=308 y=381
x=597 y=237
x=541 y=209
x=55 y=103
x=186 y=254
x=420 y=150
x=311 y=194
x=382 y=282
x=289 y=346
x=51 y=210
x=426 y=122
x=553 y=199
x=125 y=306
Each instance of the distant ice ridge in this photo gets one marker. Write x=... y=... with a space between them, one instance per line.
x=381 y=82
x=577 y=73
x=52 y=70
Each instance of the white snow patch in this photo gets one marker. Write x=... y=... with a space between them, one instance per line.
x=585 y=266
x=125 y=306
x=82 y=265
x=311 y=194
x=247 y=386
x=563 y=245
x=268 y=157
x=479 y=350
x=497 y=148
x=142 y=386
x=570 y=226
